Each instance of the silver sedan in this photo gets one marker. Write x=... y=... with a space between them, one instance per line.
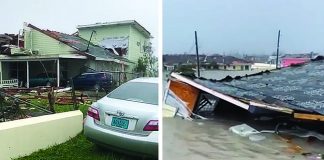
x=127 y=118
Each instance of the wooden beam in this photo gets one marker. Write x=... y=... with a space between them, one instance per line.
x=58 y=72
x=271 y=107
x=0 y=73
x=314 y=117
x=27 y=81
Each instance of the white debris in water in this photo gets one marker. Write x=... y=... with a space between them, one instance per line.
x=256 y=137
x=200 y=123
x=243 y=130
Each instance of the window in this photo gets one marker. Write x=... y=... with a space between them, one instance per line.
x=142 y=92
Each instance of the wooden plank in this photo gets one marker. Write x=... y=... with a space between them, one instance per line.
x=271 y=107
x=185 y=92
x=210 y=91
x=305 y=116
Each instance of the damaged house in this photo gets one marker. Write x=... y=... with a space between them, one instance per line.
x=101 y=47
x=294 y=92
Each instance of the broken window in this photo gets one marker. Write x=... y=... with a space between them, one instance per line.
x=118 y=45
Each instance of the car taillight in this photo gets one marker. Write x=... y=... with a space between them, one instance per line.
x=152 y=125
x=94 y=113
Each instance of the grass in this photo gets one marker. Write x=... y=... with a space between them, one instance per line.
x=76 y=148
x=60 y=108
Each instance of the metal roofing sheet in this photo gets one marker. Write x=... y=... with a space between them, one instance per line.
x=81 y=45
x=299 y=88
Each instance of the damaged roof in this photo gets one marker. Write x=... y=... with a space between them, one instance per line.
x=81 y=44
x=138 y=26
x=299 y=88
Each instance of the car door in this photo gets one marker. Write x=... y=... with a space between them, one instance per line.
x=79 y=81
x=92 y=80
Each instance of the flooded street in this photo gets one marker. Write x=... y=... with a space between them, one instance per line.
x=219 y=74
x=211 y=138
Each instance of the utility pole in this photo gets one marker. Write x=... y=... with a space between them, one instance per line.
x=277 y=61
x=198 y=72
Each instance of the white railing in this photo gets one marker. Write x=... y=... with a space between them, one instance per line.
x=9 y=83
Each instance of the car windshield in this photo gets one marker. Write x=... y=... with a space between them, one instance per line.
x=137 y=91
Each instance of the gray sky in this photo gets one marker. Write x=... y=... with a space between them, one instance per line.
x=244 y=26
x=65 y=15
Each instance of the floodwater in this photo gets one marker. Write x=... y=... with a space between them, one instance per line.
x=211 y=138
x=219 y=74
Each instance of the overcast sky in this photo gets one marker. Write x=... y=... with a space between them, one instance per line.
x=244 y=26
x=65 y=15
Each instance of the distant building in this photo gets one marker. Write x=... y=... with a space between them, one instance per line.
x=207 y=62
x=287 y=60
x=290 y=59
x=256 y=58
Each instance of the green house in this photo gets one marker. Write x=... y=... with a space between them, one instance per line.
x=125 y=38
x=112 y=47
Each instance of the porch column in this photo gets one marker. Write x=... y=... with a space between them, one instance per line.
x=27 y=81
x=58 y=72
x=0 y=73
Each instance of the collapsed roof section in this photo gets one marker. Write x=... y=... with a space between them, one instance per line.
x=81 y=45
x=295 y=90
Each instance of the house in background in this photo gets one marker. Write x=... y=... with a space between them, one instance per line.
x=112 y=47
x=128 y=39
x=207 y=62
x=291 y=59
x=287 y=60
x=220 y=62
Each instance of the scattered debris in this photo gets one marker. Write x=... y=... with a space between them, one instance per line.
x=243 y=130
x=62 y=90
x=256 y=138
x=313 y=156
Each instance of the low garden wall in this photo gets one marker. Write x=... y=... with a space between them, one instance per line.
x=22 y=137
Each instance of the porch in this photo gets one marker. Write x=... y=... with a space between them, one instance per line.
x=18 y=71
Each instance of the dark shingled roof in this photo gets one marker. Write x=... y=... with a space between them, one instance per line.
x=298 y=88
x=80 y=45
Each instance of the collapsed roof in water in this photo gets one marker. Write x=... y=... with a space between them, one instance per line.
x=296 y=90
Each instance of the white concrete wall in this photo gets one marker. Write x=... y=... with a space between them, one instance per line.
x=22 y=137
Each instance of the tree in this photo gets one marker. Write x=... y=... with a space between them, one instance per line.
x=147 y=64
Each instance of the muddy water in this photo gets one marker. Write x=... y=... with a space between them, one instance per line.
x=211 y=139
x=219 y=74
